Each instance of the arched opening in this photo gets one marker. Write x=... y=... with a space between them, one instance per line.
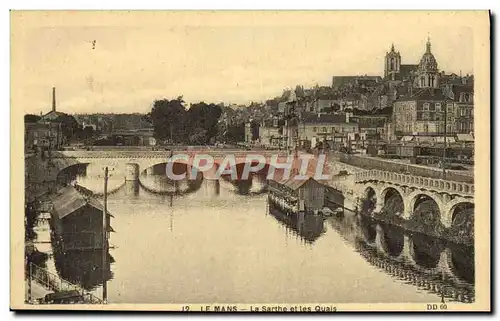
x=369 y=201
x=392 y=240
x=158 y=179
x=426 y=250
x=393 y=202
x=426 y=215
x=462 y=222
x=246 y=181
x=71 y=173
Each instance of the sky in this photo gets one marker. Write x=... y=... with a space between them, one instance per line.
x=230 y=57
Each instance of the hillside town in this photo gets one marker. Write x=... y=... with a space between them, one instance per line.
x=409 y=112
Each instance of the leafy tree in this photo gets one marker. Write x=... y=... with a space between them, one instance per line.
x=69 y=126
x=87 y=133
x=206 y=117
x=198 y=136
x=31 y=118
x=235 y=133
x=169 y=119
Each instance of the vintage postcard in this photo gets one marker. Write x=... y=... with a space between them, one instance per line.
x=250 y=161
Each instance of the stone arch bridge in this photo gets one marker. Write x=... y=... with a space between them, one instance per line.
x=447 y=195
x=132 y=163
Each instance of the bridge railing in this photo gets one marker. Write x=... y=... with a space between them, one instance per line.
x=439 y=185
x=367 y=162
x=165 y=154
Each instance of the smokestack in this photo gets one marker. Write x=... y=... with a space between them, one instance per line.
x=53 y=98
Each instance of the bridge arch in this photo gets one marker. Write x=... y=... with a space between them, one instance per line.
x=70 y=172
x=179 y=167
x=429 y=218
x=371 y=198
x=393 y=196
x=452 y=211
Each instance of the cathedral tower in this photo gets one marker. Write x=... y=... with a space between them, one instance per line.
x=428 y=72
x=392 y=64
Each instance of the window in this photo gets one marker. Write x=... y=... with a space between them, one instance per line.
x=438 y=106
x=333 y=129
x=324 y=129
x=463 y=111
x=450 y=108
x=315 y=129
x=426 y=128
x=432 y=107
x=426 y=106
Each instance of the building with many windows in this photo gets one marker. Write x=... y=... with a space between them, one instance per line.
x=429 y=110
x=313 y=129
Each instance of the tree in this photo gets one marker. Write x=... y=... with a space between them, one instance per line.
x=206 y=117
x=235 y=133
x=169 y=119
x=87 y=133
x=31 y=118
x=198 y=136
x=69 y=126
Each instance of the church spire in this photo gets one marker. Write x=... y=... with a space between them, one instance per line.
x=428 y=44
x=392 y=47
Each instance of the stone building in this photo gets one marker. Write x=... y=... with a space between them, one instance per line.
x=394 y=70
x=313 y=129
x=423 y=112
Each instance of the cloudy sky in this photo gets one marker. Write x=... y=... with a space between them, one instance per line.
x=232 y=57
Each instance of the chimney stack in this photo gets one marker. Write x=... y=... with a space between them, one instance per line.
x=53 y=98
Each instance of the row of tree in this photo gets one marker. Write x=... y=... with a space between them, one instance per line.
x=198 y=125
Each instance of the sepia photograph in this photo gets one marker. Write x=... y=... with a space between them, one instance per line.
x=250 y=161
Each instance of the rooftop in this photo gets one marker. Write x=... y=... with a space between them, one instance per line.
x=68 y=200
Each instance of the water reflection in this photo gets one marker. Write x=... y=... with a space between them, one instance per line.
x=84 y=268
x=202 y=246
x=390 y=239
x=155 y=184
x=256 y=184
x=423 y=261
x=426 y=250
x=308 y=227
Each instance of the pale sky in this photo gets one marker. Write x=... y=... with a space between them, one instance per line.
x=231 y=57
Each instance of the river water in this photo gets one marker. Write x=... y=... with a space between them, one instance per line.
x=214 y=241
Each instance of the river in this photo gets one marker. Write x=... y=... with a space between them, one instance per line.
x=216 y=242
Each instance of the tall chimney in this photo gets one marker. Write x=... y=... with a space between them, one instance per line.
x=53 y=98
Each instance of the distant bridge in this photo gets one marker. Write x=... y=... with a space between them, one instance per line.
x=132 y=163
